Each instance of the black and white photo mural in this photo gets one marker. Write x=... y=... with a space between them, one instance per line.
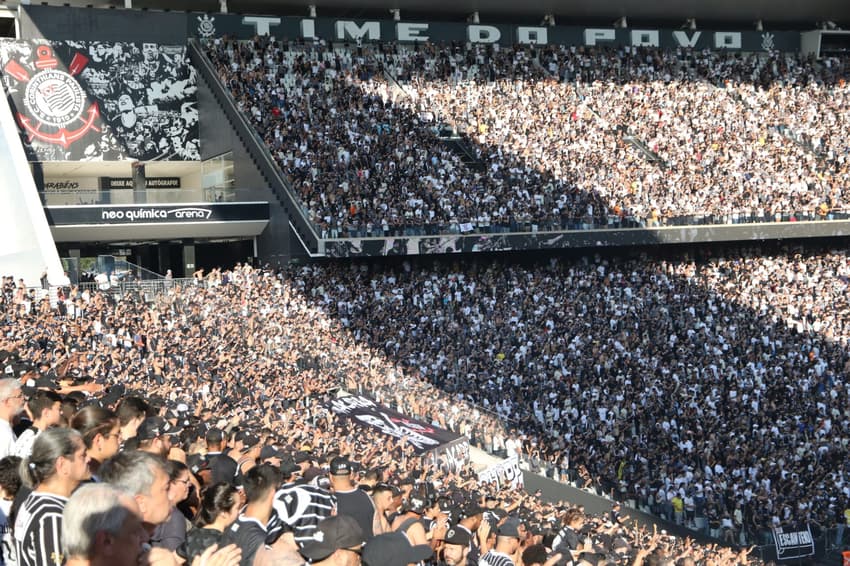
x=94 y=101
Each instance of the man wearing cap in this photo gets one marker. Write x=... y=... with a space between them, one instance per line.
x=338 y=541
x=351 y=500
x=457 y=546
x=154 y=435
x=507 y=544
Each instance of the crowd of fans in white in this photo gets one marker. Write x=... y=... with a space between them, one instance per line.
x=355 y=129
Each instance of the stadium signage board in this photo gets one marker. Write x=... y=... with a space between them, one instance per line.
x=150 y=183
x=208 y=26
x=156 y=213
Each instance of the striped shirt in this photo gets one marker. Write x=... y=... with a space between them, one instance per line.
x=301 y=507
x=38 y=530
x=494 y=558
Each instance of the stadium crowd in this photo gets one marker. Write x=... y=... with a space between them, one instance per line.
x=709 y=392
x=356 y=131
x=195 y=429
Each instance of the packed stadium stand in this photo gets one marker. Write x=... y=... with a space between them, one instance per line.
x=718 y=136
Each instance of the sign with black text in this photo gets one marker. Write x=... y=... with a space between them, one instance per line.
x=793 y=541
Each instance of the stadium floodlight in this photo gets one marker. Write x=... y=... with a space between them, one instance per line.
x=622 y=23
x=312 y=10
x=548 y=20
x=396 y=14
x=473 y=18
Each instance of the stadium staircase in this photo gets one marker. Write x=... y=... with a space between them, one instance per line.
x=256 y=149
x=454 y=142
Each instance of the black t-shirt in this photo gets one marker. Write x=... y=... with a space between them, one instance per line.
x=197 y=541
x=223 y=467
x=249 y=535
x=357 y=504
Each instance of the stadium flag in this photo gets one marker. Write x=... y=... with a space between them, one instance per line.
x=505 y=473
x=793 y=541
x=448 y=449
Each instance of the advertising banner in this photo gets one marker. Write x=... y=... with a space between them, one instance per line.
x=156 y=213
x=95 y=101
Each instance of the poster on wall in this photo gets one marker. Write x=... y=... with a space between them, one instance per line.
x=102 y=101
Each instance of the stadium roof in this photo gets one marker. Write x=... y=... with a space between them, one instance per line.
x=803 y=14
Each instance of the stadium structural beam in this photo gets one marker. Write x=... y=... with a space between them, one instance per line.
x=222 y=6
x=128 y=4
x=311 y=10
x=396 y=14
x=473 y=18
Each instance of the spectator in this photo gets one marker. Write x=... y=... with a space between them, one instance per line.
x=338 y=542
x=11 y=403
x=101 y=434
x=56 y=467
x=394 y=549
x=219 y=509
x=145 y=477
x=249 y=531
x=102 y=526
x=171 y=534
x=351 y=500
x=10 y=483
x=45 y=409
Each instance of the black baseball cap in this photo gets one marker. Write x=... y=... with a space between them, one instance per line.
x=332 y=534
x=456 y=535
x=394 y=549
x=340 y=466
x=153 y=427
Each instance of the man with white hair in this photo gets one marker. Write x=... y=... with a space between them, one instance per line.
x=11 y=403
x=102 y=525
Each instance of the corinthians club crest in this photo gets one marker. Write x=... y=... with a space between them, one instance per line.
x=54 y=101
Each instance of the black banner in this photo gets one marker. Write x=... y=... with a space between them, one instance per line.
x=90 y=101
x=793 y=542
x=685 y=234
x=207 y=26
x=156 y=213
x=107 y=183
x=421 y=436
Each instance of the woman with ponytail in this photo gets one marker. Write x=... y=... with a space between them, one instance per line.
x=220 y=505
x=55 y=468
